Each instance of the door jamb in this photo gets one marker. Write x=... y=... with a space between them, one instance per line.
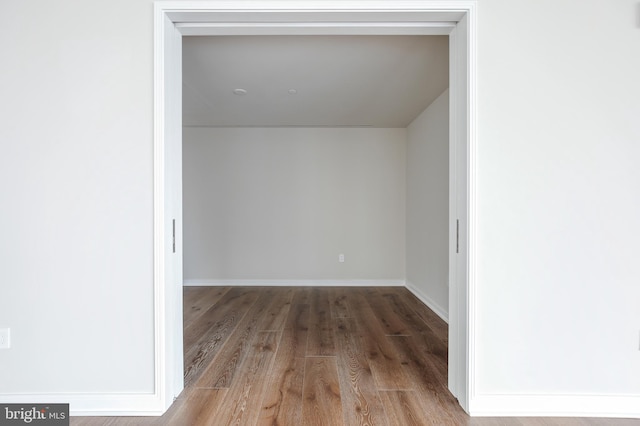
x=312 y=17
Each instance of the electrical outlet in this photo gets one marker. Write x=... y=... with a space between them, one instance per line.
x=5 y=343
x=341 y=258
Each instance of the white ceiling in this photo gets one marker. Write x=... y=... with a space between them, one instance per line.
x=378 y=81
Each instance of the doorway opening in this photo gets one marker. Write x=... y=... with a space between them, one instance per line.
x=453 y=18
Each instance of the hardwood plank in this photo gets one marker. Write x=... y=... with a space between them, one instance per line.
x=339 y=302
x=215 y=326
x=223 y=368
x=198 y=300
x=433 y=321
x=321 y=403
x=360 y=400
x=301 y=296
x=199 y=407
x=282 y=401
x=430 y=343
x=381 y=354
x=236 y=300
x=321 y=337
x=391 y=323
x=404 y=408
x=278 y=310
x=191 y=295
x=241 y=403
x=433 y=351
x=434 y=394
x=297 y=324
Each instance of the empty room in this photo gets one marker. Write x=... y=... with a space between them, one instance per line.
x=315 y=189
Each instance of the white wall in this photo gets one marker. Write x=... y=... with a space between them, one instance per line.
x=427 y=263
x=559 y=101
x=559 y=198
x=76 y=252
x=282 y=203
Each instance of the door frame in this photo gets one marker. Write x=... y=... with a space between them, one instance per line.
x=173 y=19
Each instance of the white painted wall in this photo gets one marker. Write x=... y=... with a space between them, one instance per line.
x=559 y=101
x=76 y=251
x=282 y=203
x=427 y=265
x=559 y=198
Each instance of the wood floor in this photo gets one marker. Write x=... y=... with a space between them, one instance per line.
x=316 y=356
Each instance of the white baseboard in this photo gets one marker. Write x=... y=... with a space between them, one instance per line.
x=112 y=404
x=439 y=310
x=620 y=406
x=297 y=283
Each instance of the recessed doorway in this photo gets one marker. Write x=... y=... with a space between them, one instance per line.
x=175 y=20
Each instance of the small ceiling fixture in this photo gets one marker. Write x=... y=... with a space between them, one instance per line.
x=239 y=92
x=292 y=91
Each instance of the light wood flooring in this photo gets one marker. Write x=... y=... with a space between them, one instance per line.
x=316 y=356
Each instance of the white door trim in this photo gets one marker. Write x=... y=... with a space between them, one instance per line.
x=259 y=17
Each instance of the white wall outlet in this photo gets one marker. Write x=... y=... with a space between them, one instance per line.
x=341 y=258
x=5 y=342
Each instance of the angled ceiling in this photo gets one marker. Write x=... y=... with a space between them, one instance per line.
x=377 y=81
